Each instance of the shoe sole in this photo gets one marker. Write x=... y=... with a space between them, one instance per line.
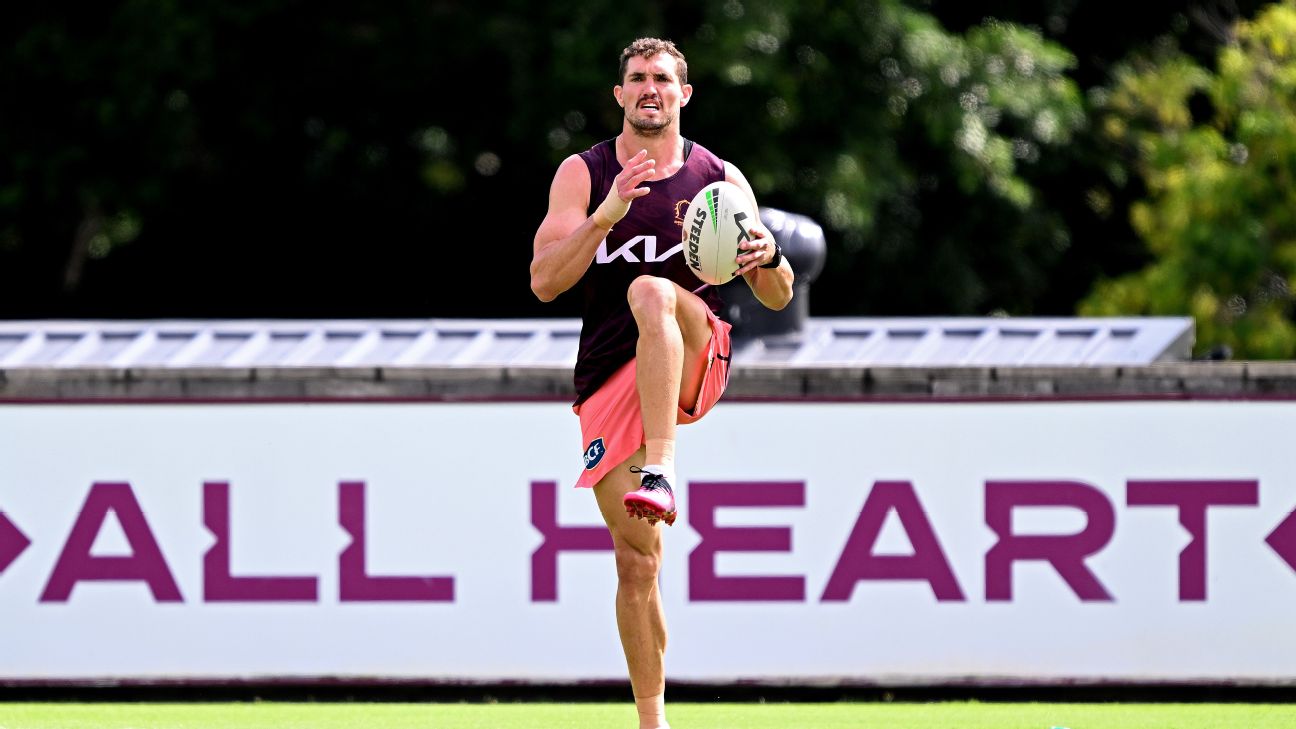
x=641 y=510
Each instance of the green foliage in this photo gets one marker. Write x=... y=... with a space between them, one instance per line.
x=1220 y=211
x=154 y=152
x=914 y=146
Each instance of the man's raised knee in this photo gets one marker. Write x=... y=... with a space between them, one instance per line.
x=651 y=295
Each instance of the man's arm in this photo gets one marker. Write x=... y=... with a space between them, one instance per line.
x=567 y=238
x=771 y=286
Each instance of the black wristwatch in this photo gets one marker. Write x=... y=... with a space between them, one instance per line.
x=776 y=260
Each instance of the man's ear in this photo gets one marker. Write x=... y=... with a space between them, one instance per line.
x=616 y=92
x=687 y=90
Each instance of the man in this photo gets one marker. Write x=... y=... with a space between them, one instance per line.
x=653 y=352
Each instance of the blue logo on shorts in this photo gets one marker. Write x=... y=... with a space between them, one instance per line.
x=594 y=454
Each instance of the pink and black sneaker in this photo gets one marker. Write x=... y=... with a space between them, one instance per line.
x=654 y=501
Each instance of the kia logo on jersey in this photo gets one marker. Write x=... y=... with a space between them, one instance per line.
x=628 y=251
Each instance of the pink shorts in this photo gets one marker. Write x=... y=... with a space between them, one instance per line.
x=611 y=423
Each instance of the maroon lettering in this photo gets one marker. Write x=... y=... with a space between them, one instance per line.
x=1282 y=540
x=145 y=563
x=557 y=539
x=221 y=586
x=12 y=542
x=356 y=584
x=1066 y=553
x=1193 y=498
x=858 y=562
x=704 y=498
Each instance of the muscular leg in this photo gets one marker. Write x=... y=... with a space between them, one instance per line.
x=640 y=619
x=673 y=329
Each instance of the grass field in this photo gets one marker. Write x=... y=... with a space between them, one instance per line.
x=947 y=715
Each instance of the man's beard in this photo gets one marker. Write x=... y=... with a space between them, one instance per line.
x=646 y=128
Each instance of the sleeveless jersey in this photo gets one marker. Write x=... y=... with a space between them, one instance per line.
x=648 y=240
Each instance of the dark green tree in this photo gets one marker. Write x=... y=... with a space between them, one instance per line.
x=1220 y=211
x=914 y=146
x=285 y=158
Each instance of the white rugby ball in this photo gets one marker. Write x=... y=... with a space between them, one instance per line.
x=717 y=220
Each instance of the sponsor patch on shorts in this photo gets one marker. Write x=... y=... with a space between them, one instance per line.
x=594 y=453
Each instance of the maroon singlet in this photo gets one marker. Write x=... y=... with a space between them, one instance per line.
x=646 y=241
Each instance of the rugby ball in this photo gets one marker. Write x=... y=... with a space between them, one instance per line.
x=717 y=220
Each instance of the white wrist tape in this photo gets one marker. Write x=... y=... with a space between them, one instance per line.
x=611 y=210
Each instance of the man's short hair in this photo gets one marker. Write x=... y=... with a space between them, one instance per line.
x=649 y=47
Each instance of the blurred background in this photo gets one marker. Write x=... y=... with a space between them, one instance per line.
x=280 y=158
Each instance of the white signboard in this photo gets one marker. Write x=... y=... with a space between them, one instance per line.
x=888 y=542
